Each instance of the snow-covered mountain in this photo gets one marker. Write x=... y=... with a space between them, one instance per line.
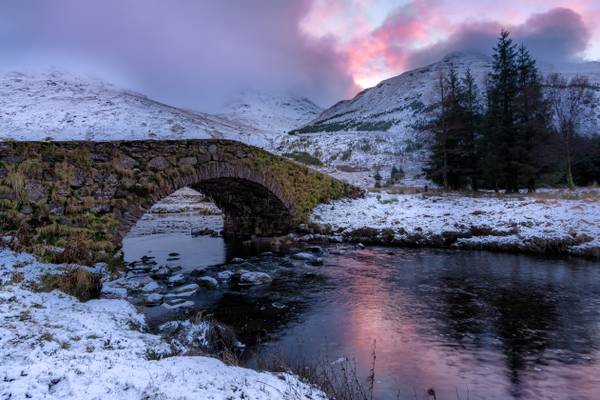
x=61 y=106
x=376 y=129
x=272 y=113
x=397 y=103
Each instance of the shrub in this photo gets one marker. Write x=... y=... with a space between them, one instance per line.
x=78 y=282
x=304 y=157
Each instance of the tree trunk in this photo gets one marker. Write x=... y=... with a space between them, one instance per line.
x=570 y=182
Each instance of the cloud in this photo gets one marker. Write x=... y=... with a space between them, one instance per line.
x=557 y=36
x=405 y=39
x=197 y=53
x=185 y=52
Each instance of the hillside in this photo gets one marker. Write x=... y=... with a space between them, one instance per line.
x=60 y=106
x=376 y=129
x=273 y=113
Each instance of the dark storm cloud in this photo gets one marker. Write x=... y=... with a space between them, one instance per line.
x=186 y=52
x=557 y=36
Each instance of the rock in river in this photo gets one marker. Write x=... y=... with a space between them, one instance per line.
x=151 y=287
x=254 y=278
x=208 y=281
x=153 y=299
x=176 y=279
x=225 y=275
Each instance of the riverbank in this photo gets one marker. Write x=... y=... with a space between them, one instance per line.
x=53 y=346
x=550 y=223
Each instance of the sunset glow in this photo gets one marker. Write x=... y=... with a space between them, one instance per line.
x=382 y=38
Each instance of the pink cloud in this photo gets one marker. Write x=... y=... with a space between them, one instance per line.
x=422 y=32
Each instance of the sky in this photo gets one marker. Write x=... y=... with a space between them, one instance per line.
x=197 y=54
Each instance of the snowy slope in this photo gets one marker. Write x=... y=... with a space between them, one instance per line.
x=274 y=113
x=399 y=101
x=376 y=129
x=62 y=106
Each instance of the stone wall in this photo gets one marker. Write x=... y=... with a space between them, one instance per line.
x=75 y=201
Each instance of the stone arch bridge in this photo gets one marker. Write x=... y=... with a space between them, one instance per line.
x=75 y=201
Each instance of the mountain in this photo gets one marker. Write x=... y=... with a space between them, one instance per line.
x=60 y=106
x=272 y=113
x=376 y=129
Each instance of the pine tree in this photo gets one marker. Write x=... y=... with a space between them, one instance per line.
x=498 y=164
x=532 y=120
x=452 y=160
x=437 y=166
x=468 y=142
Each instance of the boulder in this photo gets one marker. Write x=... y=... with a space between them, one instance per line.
x=191 y=287
x=176 y=279
x=151 y=287
x=225 y=275
x=303 y=256
x=178 y=303
x=208 y=281
x=153 y=299
x=308 y=257
x=254 y=278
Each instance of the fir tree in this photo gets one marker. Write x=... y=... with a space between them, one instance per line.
x=468 y=143
x=437 y=166
x=497 y=165
x=532 y=119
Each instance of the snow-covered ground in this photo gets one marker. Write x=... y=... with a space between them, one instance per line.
x=526 y=223
x=53 y=346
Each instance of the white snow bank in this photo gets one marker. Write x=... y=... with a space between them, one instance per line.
x=502 y=220
x=54 y=347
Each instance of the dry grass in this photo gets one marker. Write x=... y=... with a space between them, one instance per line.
x=78 y=282
x=338 y=379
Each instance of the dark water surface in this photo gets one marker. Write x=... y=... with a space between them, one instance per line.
x=471 y=325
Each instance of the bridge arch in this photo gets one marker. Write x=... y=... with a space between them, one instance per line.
x=75 y=201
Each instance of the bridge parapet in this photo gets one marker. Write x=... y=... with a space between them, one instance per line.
x=75 y=201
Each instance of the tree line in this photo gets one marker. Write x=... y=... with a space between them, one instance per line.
x=522 y=133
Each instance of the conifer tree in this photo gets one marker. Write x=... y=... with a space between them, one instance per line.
x=468 y=142
x=498 y=165
x=532 y=120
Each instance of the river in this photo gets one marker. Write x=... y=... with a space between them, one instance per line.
x=470 y=325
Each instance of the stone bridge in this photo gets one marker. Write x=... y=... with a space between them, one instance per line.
x=75 y=201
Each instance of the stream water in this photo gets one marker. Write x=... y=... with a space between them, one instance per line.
x=471 y=325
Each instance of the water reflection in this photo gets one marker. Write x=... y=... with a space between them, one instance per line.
x=469 y=324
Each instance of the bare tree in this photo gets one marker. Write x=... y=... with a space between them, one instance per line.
x=568 y=99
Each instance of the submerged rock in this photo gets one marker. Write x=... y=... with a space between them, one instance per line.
x=153 y=299
x=254 y=278
x=178 y=303
x=160 y=273
x=186 y=288
x=303 y=256
x=315 y=249
x=225 y=275
x=208 y=281
x=176 y=279
x=151 y=287
x=308 y=257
